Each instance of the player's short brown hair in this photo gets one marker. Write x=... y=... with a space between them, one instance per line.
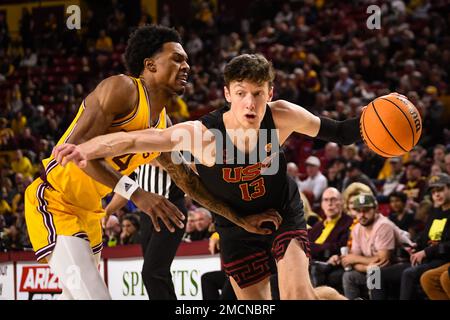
x=251 y=67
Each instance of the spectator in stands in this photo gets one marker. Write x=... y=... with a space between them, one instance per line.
x=352 y=190
x=29 y=59
x=194 y=45
x=203 y=221
x=417 y=154
x=447 y=163
x=112 y=232
x=400 y=215
x=345 y=83
x=373 y=243
x=439 y=155
x=11 y=240
x=336 y=173
x=311 y=217
x=285 y=15
x=38 y=122
x=130 y=230
x=6 y=135
x=5 y=208
x=190 y=227
x=205 y=14
x=432 y=249
x=18 y=198
x=331 y=153
x=19 y=123
x=292 y=171
x=28 y=142
x=421 y=216
x=66 y=88
x=354 y=174
x=436 y=282
x=414 y=183
x=350 y=152
x=15 y=236
x=392 y=181
x=371 y=163
x=22 y=164
x=316 y=182
x=435 y=169
x=104 y=43
x=4 y=32
x=327 y=237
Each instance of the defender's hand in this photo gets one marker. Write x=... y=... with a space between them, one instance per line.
x=253 y=223
x=67 y=152
x=156 y=206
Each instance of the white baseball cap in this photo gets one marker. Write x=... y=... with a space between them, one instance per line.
x=313 y=161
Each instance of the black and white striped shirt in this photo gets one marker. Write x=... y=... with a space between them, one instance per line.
x=155 y=179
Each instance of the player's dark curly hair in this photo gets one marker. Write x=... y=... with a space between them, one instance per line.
x=251 y=67
x=144 y=42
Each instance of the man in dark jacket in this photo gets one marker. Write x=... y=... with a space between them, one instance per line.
x=433 y=245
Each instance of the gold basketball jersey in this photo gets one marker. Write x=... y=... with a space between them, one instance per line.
x=80 y=190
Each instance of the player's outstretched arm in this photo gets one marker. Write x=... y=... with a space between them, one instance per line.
x=181 y=137
x=289 y=118
x=192 y=185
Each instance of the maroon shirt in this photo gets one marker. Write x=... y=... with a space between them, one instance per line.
x=337 y=238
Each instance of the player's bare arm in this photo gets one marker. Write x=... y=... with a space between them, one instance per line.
x=289 y=118
x=114 y=97
x=179 y=137
x=189 y=136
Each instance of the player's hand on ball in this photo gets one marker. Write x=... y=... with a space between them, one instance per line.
x=262 y=223
x=67 y=152
x=156 y=206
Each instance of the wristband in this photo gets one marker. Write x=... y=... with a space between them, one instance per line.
x=342 y=132
x=126 y=187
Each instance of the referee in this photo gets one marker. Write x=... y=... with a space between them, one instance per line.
x=159 y=248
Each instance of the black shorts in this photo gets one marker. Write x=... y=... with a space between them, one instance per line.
x=248 y=257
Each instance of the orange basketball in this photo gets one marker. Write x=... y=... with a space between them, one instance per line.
x=391 y=125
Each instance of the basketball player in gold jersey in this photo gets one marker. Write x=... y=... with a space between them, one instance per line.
x=63 y=207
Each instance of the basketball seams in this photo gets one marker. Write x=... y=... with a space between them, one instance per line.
x=407 y=119
x=387 y=130
x=367 y=136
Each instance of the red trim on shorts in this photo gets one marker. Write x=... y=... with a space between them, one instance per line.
x=246 y=284
x=249 y=270
x=281 y=243
x=235 y=262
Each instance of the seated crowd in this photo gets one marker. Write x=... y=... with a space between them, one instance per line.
x=376 y=221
